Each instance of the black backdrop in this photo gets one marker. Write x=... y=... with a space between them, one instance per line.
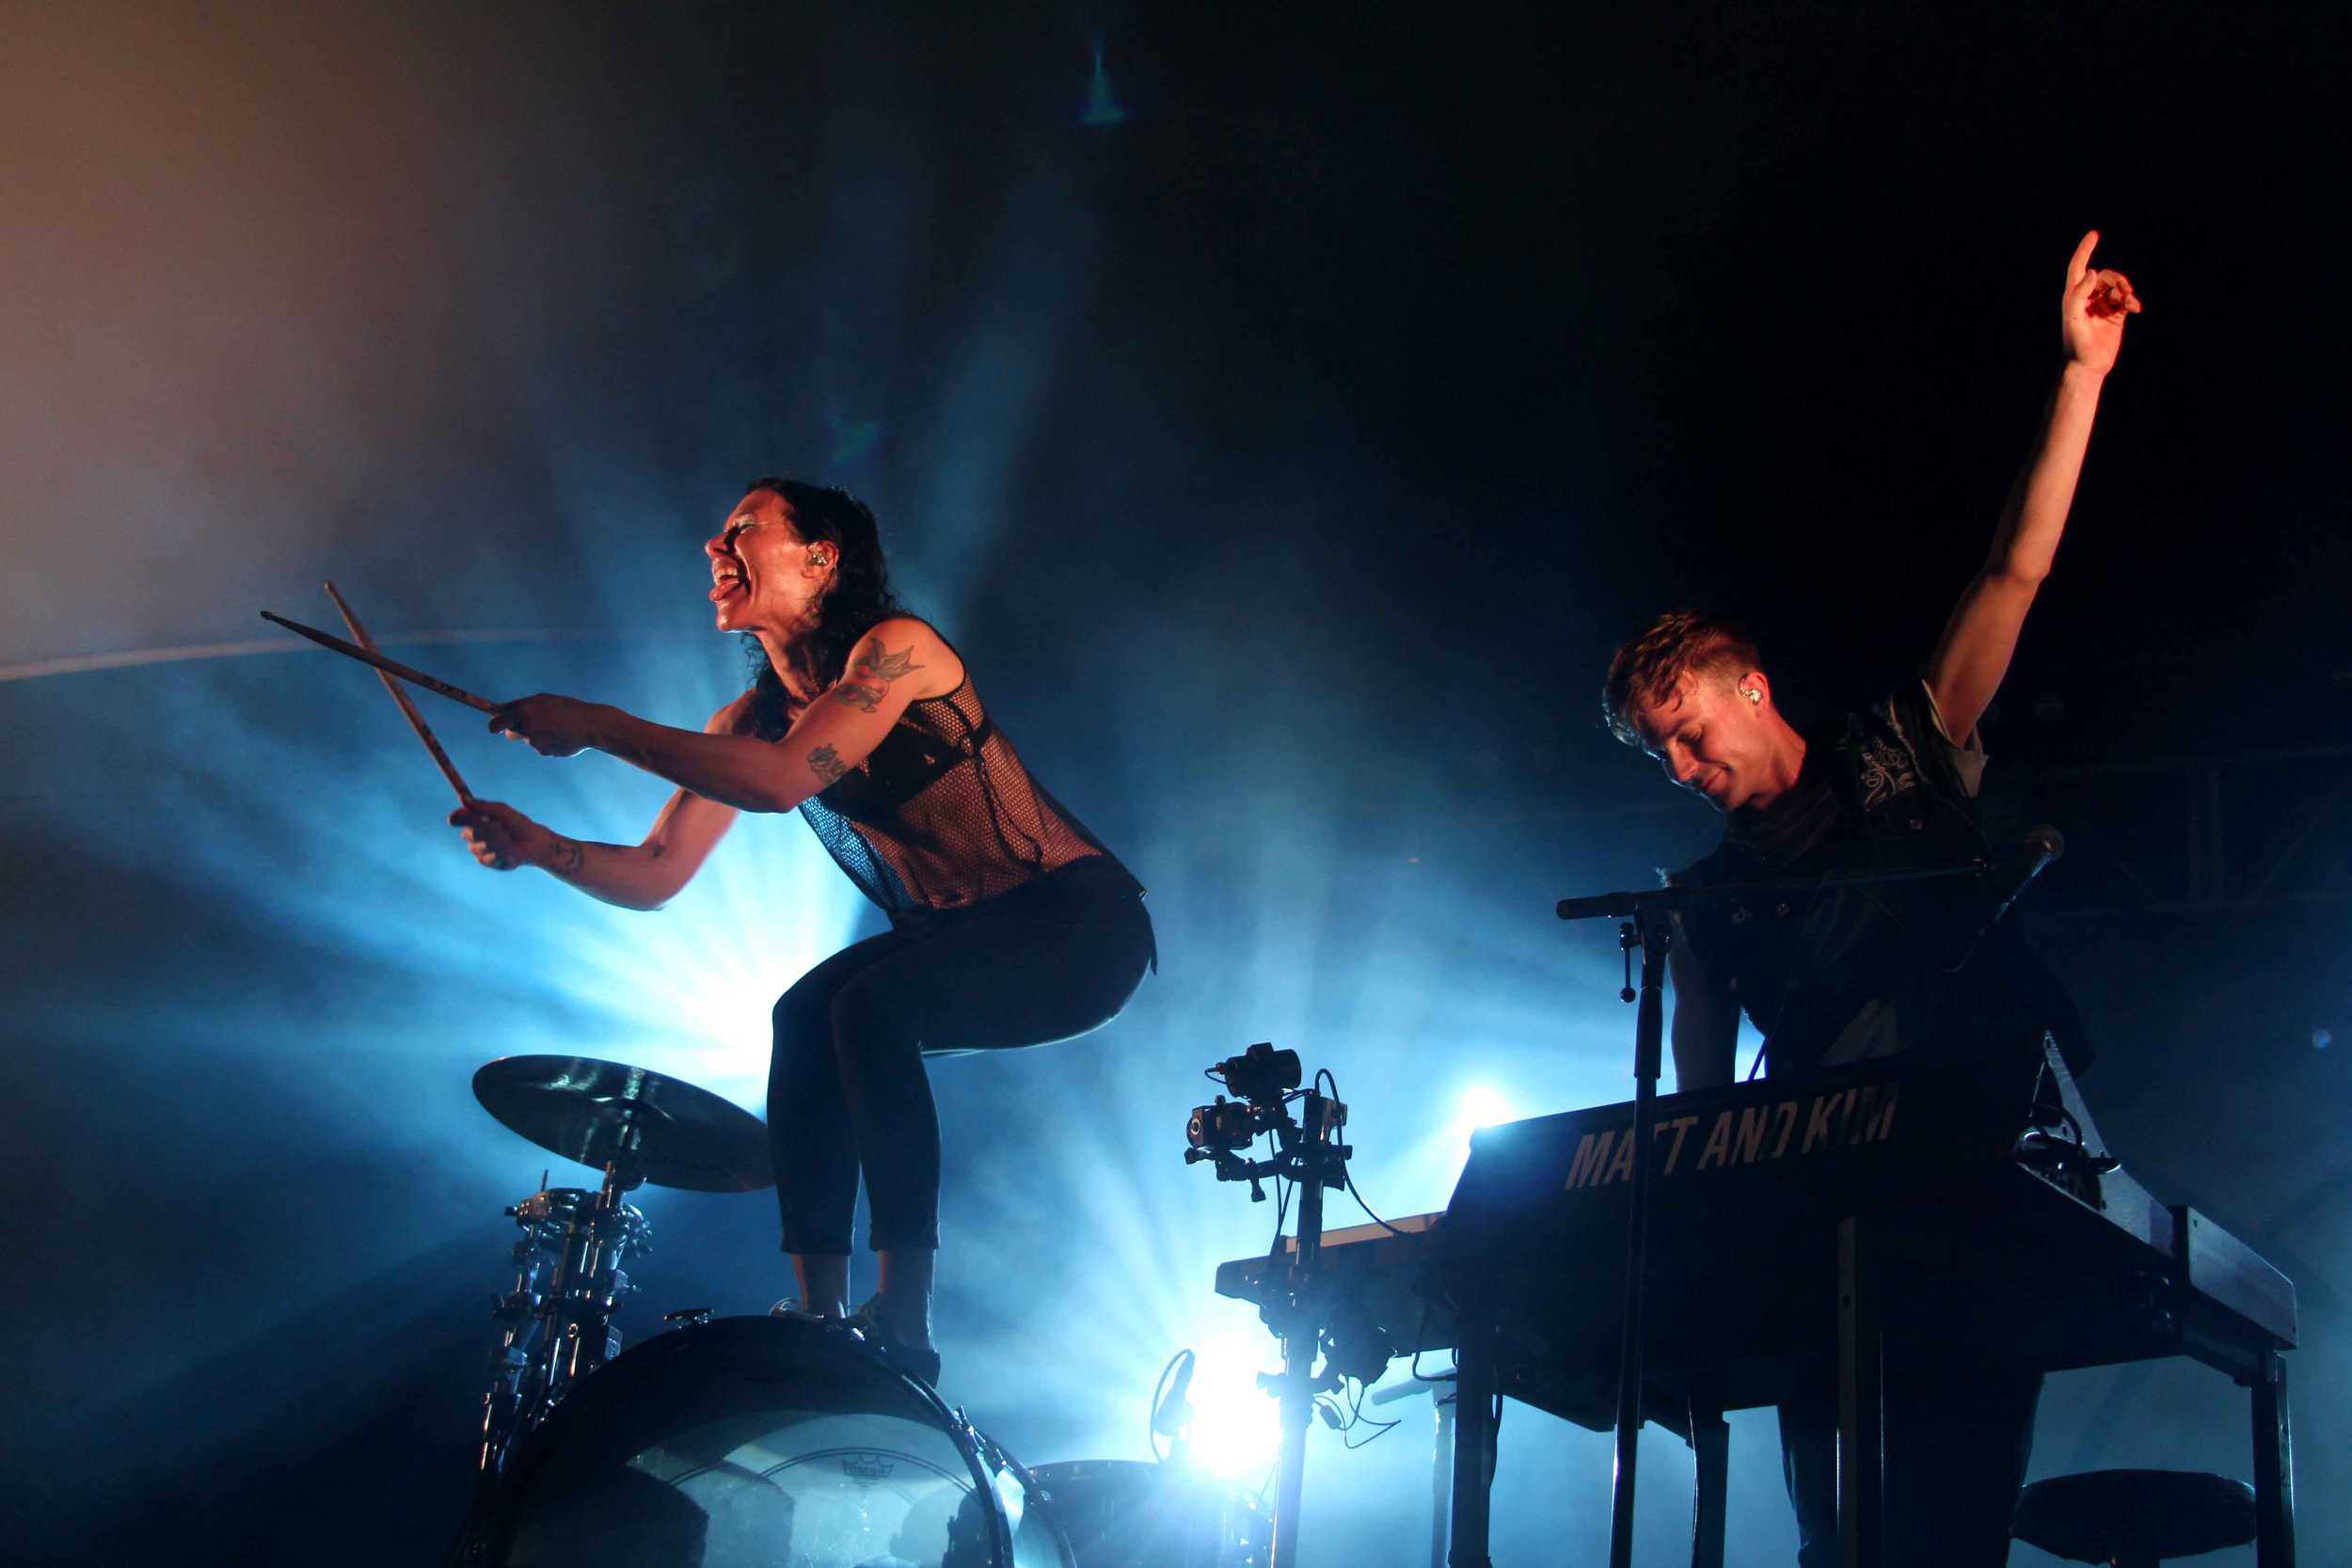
x=1286 y=411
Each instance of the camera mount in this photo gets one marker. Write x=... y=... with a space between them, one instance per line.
x=1306 y=1151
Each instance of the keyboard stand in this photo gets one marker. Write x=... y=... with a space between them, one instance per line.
x=1476 y=1389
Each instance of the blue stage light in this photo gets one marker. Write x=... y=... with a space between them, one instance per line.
x=1236 y=1425
x=1482 y=1105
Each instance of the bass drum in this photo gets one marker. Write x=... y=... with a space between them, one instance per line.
x=757 y=1443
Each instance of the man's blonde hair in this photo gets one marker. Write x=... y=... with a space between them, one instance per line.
x=1679 y=644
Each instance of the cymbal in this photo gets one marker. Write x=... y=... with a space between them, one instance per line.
x=662 y=1130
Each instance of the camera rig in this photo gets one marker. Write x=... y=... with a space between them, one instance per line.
x=1306 y=1151
x=1307 y=1148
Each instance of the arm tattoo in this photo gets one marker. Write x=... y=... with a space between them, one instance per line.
x=870 y=673
x=876 y=661
x=565 y=858
x=826 y=764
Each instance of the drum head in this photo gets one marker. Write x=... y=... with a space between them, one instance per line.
x=758 y=1441
x=1126 y=1514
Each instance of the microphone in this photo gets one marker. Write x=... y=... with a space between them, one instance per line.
x=2041 y=845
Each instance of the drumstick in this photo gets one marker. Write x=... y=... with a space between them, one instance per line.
x=408 y=709
x=414 y=677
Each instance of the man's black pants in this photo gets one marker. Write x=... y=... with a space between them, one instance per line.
x=1958 y=1429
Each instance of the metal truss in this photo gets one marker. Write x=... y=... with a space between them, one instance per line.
x=2236 y=830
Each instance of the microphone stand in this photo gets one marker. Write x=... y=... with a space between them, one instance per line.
x=1647 y=918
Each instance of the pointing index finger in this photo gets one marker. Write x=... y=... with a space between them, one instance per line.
x=2079 y=264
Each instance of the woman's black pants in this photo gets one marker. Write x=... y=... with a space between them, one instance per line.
x=846 y=1089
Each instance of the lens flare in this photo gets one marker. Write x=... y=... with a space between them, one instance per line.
x=1482 y=1105
x=1236 y=1425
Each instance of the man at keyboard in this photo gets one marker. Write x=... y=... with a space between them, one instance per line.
x=1847 y=976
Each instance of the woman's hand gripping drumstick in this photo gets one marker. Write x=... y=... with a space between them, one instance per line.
x=500 y=836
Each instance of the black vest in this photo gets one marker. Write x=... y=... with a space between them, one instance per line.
x=1836 y=975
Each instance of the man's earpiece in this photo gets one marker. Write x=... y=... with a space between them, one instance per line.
x=1751 y=693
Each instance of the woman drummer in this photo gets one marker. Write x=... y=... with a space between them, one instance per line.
x=1011 y=924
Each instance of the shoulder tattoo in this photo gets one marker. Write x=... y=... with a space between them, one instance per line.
x=872 y=668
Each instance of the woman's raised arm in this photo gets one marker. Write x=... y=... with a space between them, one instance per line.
x=896 y=662
x=642 y=875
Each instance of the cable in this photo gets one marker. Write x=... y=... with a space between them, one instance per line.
x=1419 y=1334
x=1324 y=1075
x=1281 y=1202
x=1274 y=1248
x=1367 y=1208
x=1356 y=1417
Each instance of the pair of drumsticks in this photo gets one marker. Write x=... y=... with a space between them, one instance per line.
x=364 y=649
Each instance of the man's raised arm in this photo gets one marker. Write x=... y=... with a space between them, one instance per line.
x=1974 y=655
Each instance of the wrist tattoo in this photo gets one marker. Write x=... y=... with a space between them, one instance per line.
x=826 y=764
x=564 y=859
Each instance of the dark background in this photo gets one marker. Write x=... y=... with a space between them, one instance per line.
x=1286 y=411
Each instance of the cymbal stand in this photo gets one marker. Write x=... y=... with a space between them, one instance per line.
x=515 y=1314
x=590 y=1280
x=566 y=1321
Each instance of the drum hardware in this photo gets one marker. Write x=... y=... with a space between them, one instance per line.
x=1307 y=1151
x=555 y=1327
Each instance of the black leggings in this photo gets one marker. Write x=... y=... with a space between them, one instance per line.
x=846 y=1089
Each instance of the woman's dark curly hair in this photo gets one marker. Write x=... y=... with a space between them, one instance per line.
x=859 y=597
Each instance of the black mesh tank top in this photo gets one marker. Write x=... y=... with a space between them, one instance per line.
x=943 y=815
